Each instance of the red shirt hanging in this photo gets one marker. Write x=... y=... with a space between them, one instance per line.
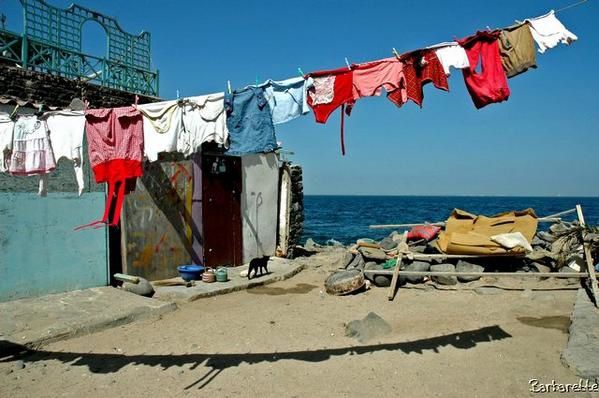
x=115 y=144
x=420 y=68
x=490 y=84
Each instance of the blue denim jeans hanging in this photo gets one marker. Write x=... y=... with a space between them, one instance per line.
x=249 y=121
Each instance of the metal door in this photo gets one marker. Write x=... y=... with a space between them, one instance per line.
x=221 y=210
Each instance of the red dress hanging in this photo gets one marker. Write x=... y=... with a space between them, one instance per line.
x=490 y=84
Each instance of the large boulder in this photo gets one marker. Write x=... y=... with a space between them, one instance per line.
x=388 y=244
x=420 y=266
x=357 y=262
x=378 y=280
x=372 y=254
x=143 y=288
x=371 y=327
x=444 y=280
x=464 y=266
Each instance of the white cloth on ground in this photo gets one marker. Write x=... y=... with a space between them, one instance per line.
x=548 y=31
x=66 y=137
x=6 y=129
x=451 y=54
x=511 y=240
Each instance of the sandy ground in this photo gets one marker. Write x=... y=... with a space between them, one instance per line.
x=288 y=340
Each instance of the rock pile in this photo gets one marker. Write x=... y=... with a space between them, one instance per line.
x=557 y=249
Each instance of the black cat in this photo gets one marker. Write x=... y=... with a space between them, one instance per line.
x=258 y=263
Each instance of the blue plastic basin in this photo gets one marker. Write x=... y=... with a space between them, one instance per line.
x=190 y=272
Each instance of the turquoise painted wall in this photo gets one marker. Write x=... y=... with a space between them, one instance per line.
x=39 y=251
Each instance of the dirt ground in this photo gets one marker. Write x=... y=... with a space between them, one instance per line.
x=288 y=340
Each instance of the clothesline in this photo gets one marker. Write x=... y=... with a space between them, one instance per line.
x=243 y=121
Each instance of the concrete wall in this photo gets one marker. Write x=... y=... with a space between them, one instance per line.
x=156 y=227
x=39 y=251
x=259 y=205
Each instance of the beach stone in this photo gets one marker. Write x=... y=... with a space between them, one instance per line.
x=388 y=244
x=373 y=254
x=419 y=266
x=418 y=249
x=378 y=280
x=357 y=262
x=541 y=268
x=571 y=281
x=546 y=236
x=334 y=259
x=465 y=266
x=334 y=243
x=371 y=327
x=310 y=245
x=143 y=288
x=444 y=280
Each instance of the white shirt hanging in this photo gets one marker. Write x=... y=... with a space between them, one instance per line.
x=548 y=31
x=66 y=130
x=6 y=129
x=451 y=54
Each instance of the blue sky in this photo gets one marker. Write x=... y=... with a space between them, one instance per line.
x=543 y=141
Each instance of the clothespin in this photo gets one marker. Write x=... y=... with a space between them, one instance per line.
x=301 y=72
x=257 y=80
x=347 y=63
x=177 y=93
x=395 y=52
x=229 y=86
x=136 y=99
x=14 y=111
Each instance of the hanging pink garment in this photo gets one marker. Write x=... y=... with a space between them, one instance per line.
x=490 y=84
x=115 y=145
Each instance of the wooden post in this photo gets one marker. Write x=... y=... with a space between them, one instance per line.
x=393 y=286
x=589 y=260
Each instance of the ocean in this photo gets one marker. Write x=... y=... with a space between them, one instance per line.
x=346 y=218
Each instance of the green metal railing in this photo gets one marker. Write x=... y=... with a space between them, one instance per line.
x=51 y=43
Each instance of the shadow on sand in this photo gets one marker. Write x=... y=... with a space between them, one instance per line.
x=110 y=363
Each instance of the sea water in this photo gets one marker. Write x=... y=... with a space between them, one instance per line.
x=346 y=218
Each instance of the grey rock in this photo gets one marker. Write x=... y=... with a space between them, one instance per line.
x=378 y=280
x=373 y=254
x=334 y=243
x=571 y=281
x=310 y=245
x=444 y=280
x=371 y=327
x=357 y=262
x=420 y=266
x=559 y=227
x=388 y=244
x=464 y=266
x=19 y=364
x=418 y=249
x=143 y=288
x=540 y=267
x=546 y=236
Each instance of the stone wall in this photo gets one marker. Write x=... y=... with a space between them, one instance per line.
x=296 y=216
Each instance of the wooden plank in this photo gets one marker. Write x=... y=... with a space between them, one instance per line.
x=500 y=274
x=421 y=256
x=393 y=286
x=384 y=226
x=589 y=260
